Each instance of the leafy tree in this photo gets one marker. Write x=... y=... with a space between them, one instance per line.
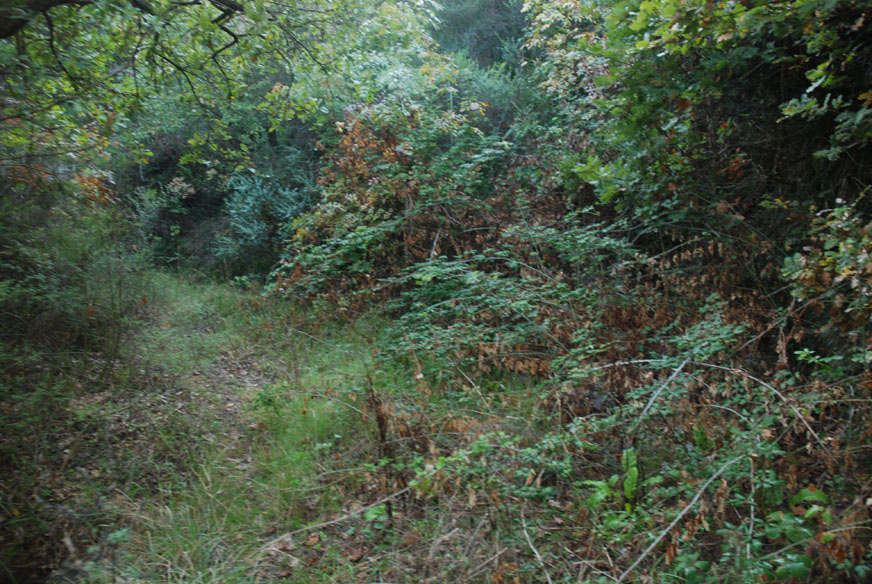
x=734 y=122
x=72 y=72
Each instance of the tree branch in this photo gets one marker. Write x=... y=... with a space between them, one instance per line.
x=15 y=17
x=187 y=77
x=51 y=45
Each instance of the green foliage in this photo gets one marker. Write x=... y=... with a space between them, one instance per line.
x=256 y=209
x=626 y=270
x=678 y=88
x=631 y=480
x=649 y=318
x=75 y=73
x=834 y=270
x=217 y=190
x=398 y=163
x=66 y=280
x=487 y=30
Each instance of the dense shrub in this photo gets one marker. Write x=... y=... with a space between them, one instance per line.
x=213 y=192
x=68 y=276
x=674 y=249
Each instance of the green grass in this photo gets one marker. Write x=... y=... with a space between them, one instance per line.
x=193 y=322
x=260 y=477
x=231 y=419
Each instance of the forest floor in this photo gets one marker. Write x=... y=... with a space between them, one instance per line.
x=235 y=438
x=181 y=457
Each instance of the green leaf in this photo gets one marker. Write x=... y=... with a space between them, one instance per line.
x=808 y=495
x=630 y=483
x=815 y=510
x=794 y=566
x=773 y=532
x=795 y=531
x=205 y=21
x=601 y=492
x=628 y=460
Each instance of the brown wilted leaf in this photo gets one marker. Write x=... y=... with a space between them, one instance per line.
x=354 y=554
x=410 y=539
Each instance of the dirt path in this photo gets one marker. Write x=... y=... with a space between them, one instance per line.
x=95 y=442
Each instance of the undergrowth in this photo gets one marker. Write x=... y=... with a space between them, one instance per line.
x=599 y=313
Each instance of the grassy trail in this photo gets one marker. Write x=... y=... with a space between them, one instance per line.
x=179 y=458
x=262 y=431
x=237 y=439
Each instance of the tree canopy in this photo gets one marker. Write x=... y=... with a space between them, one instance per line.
x=70 y=70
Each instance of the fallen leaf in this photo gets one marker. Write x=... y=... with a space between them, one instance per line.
x=354 y=554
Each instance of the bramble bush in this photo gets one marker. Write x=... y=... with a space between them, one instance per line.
x=672 y=253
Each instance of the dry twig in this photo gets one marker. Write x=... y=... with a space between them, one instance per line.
x=678 y=517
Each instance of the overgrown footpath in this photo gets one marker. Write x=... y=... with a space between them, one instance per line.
x=175 y=458
x=229 y=438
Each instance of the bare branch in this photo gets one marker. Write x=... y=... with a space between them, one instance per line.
x=187 y=77
x=532 y=547
x=51 y=45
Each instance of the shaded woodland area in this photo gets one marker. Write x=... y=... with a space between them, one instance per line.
x=481 y=291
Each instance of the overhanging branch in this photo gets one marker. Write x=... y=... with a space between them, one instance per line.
x=16 y=17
